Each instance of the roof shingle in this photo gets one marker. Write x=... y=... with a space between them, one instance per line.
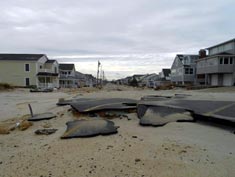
x=66 y=66
x=21 y=57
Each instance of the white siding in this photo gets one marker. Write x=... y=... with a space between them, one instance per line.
x=227 y=80
x=214 y=79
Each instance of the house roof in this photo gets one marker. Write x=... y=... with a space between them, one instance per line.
x=66 y=66
x=183 y=55
x=166 y=72
x=21 y=57
x=50 y=61
x=232 y=40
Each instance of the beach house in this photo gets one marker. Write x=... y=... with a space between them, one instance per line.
x=217 y=68
x=29 y=70
x=68 y=75
x=183 y=69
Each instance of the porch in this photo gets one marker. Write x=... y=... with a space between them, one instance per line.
x=47 y=82
x=68 y=84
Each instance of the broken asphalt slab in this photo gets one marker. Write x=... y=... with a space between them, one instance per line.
x=89 y=105
x=43 y=116
x=63 y=102
x=89 y=128
x=161 y=115
x=38 y=117
x=220 y=110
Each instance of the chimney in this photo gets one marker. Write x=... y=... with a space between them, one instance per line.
x=202 y=53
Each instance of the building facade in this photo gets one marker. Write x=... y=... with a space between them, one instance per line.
x=217 y=68
x=183 y=69
x=29 y=70
x=67 y=76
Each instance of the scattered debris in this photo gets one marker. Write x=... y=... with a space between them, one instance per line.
x=113 y=114
x=38 y=117
x=25 y=125
x=46 y=125
x=45 y=131
x=88 y=128
x=4 y=129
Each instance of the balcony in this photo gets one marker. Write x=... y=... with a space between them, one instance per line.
x=46 y=70
x=214 y=65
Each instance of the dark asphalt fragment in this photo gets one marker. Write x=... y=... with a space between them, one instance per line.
x=45 y=131
x=89 y=128
x=161 y=115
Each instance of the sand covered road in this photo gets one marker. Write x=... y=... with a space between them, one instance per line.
x=176 y=149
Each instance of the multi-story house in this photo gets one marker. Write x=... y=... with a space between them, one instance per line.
x=29 y=69
x=183 y=69
x=68 y=76
x=218 y=68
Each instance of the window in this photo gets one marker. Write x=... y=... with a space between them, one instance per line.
x=188 y=71
x=231 y=61
x=27 y=82
x=40 y=66
x=55 y=70
x=221 y=61
x=27 y=67
x=226 y=61
x=191 y=71
x=69 y=73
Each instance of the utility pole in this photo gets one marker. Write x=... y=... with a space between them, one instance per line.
x=101 y=72
x=97 y=78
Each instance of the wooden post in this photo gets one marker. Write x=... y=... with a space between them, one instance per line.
x=30 y=109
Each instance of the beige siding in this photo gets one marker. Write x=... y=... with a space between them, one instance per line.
x=13 y=72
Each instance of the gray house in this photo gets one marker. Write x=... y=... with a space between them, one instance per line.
x=218 y=68
x=183 y=69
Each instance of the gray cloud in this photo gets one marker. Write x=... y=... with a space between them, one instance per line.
x=139 y=32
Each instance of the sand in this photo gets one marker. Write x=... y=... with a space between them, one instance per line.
x=176 y=149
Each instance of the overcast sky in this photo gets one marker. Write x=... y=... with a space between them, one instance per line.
x=127 y=36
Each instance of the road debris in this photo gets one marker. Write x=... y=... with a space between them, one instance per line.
x=45 y=131
x=24 y=125
x=91 y=105
x=159 y=115
x=89 y=128
x=38 y=117
x=157 y=110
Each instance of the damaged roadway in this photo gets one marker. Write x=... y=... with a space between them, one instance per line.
x=200 y=148
x=203 y=109
x=151 y=110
